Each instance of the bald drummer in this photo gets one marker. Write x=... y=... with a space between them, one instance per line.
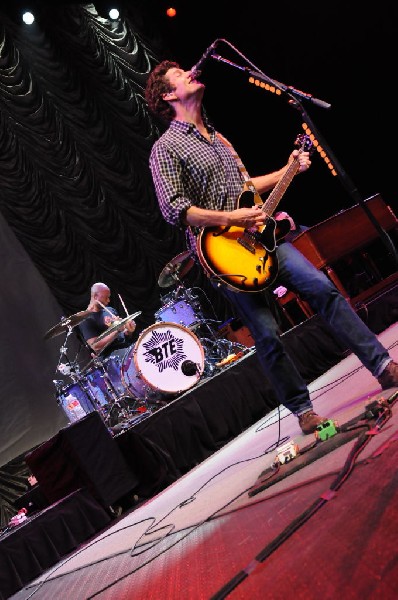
x=105 y=317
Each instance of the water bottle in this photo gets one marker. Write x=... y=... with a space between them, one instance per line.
x=75 y=409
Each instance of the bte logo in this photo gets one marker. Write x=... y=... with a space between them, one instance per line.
x=164 y=350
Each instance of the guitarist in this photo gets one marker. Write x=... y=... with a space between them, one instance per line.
x=198 y=182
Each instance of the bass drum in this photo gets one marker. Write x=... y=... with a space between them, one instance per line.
x=167 y=358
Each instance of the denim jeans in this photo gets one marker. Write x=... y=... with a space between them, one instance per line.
x=299 y=275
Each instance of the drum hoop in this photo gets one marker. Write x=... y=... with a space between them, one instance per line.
x=154 y=326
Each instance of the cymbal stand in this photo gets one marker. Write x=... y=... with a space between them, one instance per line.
x=68 y=368
x=72 y=370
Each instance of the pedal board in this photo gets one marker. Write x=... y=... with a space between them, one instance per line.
x=291 y=458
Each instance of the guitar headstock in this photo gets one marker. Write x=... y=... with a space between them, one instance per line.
x=303 y=143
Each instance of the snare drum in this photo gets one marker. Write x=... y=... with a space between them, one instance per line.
x=177 y=311
x=167 y=358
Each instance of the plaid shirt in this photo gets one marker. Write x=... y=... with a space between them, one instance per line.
x=188 y=170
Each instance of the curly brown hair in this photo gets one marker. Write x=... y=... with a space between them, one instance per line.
x=156 y=86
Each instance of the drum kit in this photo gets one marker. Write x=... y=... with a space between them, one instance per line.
x=168 y=358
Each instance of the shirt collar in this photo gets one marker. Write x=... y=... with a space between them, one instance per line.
x=186 y=127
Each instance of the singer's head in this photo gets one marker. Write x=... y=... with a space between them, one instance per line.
x=170 y=87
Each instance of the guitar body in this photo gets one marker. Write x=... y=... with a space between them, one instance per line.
x=223 y=259
x=245 y=259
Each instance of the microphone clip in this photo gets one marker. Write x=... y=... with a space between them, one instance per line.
x=196 y=70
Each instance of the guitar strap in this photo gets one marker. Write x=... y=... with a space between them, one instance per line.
x=248 y=185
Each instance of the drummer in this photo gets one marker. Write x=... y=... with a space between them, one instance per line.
x=105 y=317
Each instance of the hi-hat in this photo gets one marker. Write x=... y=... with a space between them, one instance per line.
x=117 y=325
x=176 y=269
x=67 y=323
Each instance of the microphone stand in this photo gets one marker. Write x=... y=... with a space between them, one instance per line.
x=295 y=97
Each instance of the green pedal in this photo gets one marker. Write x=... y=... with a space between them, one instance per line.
x=326 y=430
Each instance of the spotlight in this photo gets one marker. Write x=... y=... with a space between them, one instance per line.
x=19 y=11
x=114 y=14
x=108 y=9
x=28 y=17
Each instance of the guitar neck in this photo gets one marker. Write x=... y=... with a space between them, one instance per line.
x=279 y=190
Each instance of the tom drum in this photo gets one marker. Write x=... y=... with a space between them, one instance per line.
x=177 y=311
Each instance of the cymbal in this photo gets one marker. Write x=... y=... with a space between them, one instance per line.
x=117 y=325
x=176 y=269
x=66 y=323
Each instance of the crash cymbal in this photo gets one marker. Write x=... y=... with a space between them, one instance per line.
x=176 y=269
x=117 y=325
x=66 y=323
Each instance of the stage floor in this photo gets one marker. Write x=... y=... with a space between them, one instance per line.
x=324 y=525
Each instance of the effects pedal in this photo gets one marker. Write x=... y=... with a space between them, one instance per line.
x=287 y=452
x=326 y=430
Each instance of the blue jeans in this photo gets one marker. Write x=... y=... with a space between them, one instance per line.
x=299 y=275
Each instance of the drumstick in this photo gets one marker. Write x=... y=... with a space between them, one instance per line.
x=107 y=310
x=124 y=306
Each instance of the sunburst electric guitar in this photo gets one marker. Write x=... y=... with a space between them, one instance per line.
x=245 y=259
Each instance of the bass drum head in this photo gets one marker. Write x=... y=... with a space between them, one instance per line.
x=169 y=357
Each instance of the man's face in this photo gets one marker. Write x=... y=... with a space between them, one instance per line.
x=181 y=83
x=103 y=295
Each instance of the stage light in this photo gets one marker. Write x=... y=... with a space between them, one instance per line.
x=21 y=12
x=108 y=9
x=28 y=17
x=114 y=13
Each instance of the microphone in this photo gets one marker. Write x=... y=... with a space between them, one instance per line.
x=196 y=70
x=188 y=367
